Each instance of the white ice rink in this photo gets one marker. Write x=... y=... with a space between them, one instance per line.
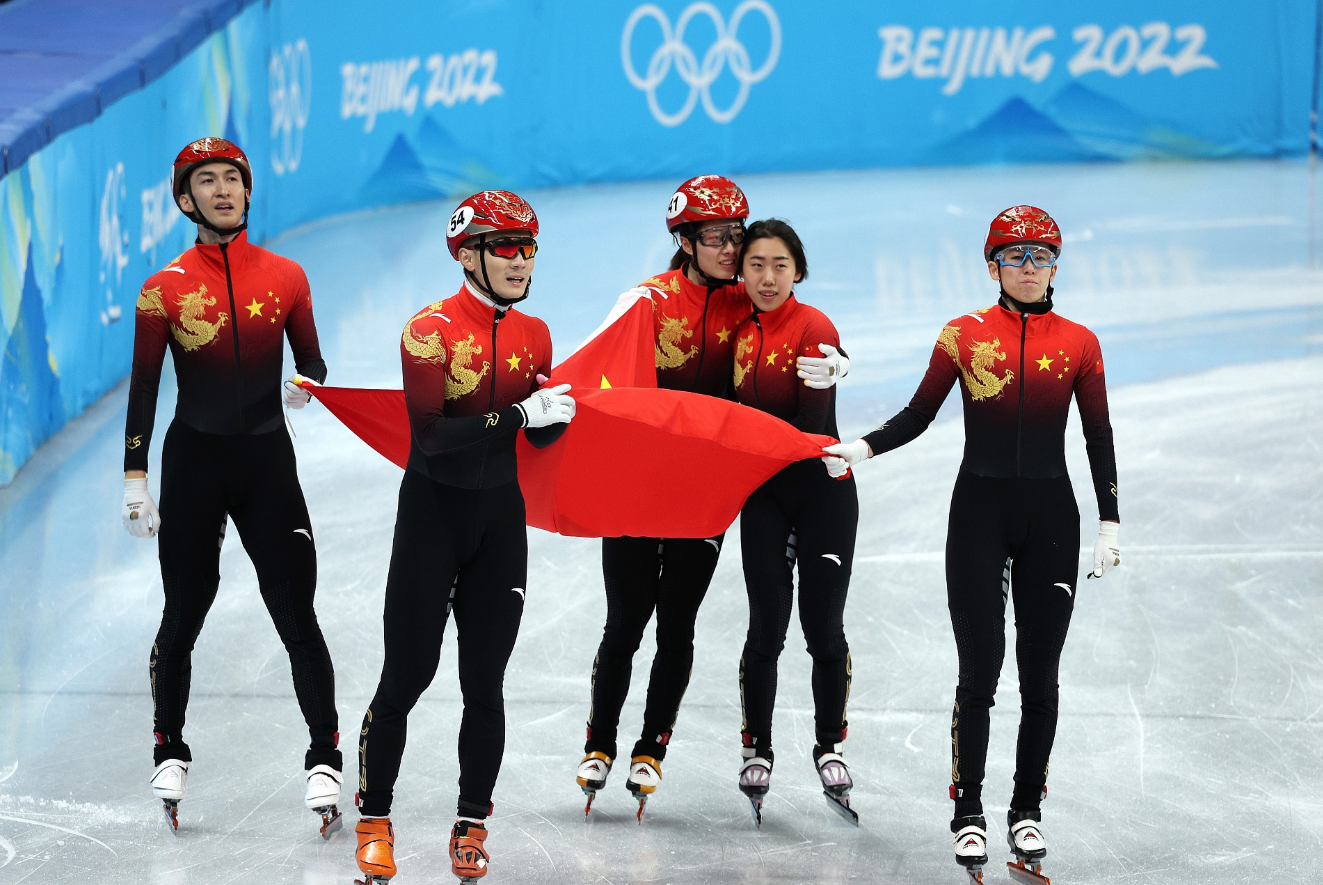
x=1190 y=746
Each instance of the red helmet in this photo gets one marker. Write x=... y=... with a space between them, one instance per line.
x=489 y=211
x=1022 y=224
x=209 y=150
x=706 y=198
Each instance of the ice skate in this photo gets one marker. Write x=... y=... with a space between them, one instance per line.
x=971 y=845
x=644 y=777
x=755 y=781
x=468 y=857
x=1025 y=838
x=592 y=776
x=169 y=781
x=323 y=796
x=836 y=783
x=376 y=850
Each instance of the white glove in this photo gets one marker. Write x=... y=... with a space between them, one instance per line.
x=297 y=397
x=823 y=372
x=842 y=456
x=551 y=406
x=1106 y=550
x=140 y=516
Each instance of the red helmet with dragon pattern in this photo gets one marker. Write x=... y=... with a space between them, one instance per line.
x=487 y=212
x=209 y=150
x=1022 y=224
x=706 y=198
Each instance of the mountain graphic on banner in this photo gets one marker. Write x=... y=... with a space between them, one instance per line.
x=31 y=408
x=446 y=162
x=1105 y=124
x=400 y=178
x=1016 y=132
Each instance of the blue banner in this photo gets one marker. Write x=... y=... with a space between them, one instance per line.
x=342 y=107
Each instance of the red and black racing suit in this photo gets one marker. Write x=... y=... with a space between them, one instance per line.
x=224 y=311
x=695 y=328
x=1014 y=524
x=460 y=540
x=818 y=513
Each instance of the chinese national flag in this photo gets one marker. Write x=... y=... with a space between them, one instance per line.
x=636 y=460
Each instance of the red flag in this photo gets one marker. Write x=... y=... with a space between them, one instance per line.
x=636 y=460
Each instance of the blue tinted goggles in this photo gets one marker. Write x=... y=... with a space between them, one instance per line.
x=1016 y=256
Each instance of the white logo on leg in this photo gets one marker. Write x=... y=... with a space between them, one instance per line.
x=699 y=77
x=1066 y=587
x=833 y=557
x=519 y=590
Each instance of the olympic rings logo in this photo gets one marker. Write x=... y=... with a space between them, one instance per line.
x=289 y=81
x=699 y=78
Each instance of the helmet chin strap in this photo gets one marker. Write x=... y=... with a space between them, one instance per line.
x=487 y=289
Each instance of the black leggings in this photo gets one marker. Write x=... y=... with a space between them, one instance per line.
x=254 y=480
x=465 y=549
x=1022 y=537
x=823 y=514
x=642 y=574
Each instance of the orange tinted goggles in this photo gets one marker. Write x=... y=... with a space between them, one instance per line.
x=509 y=247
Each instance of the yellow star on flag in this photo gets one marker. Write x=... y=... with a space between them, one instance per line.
x=723 y=335
x=771 y=358
x=606 y=385
x=513 y=361
x=255 y=309
x=1044 y=363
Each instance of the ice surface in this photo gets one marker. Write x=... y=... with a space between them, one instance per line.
x=1190 y=747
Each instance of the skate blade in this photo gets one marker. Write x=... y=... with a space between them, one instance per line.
x=756 y=806
x=171 y=808
x=1027 y=872
x=332 y=821
x=841 y=805
x=975 y=875
x=369 y=879
x=589 y=806
x=643 y=800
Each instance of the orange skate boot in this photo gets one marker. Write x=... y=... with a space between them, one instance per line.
x=376 y=850
x=468 y=857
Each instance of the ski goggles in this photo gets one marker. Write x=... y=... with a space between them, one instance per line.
x=719 y=236
x=509 y=247
x=1016 y=256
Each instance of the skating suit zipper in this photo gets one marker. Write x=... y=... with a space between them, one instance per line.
x=702 y=342
x=757 y=361
x=491 y=399
x=1019 y=415
x=234 y=328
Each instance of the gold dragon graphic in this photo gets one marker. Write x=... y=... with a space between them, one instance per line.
x=462 y=380
x=743 y=347
x=429 y=348
x=669 y=356
x=658 y=283
x=149 y=302
x=192 y=330
x=981 y=382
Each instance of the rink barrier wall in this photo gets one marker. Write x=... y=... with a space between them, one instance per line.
x=404 y=102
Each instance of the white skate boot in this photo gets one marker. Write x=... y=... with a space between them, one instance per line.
x=1024 y=835
x=971 y=844
x=592 y=776
x=836 y=782
x=323 y=797
x=169 y=781
x=644 y=778
x=755 y=781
